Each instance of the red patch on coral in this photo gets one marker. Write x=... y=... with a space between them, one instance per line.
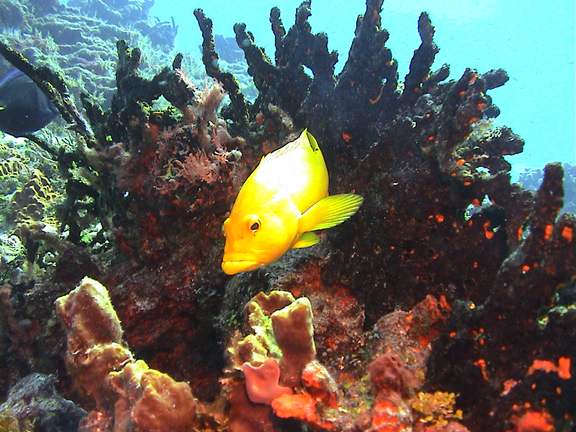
x=535 y=421
x=320 y=384
x=387 y=417
x=300 y=406
x=548 y=366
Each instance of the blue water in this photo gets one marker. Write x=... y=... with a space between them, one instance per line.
x=533 y=41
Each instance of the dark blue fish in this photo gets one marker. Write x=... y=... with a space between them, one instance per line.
x=24 y=108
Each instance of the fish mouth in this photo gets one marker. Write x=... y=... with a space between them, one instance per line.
x=231 y=267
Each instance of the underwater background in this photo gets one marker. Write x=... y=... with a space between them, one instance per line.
x=433 y=290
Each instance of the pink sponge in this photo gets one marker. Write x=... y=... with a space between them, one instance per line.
x=262 y=382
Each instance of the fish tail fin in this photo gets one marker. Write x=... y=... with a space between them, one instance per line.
x=330 y=211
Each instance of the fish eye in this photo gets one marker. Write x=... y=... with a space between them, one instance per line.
x=254 y=223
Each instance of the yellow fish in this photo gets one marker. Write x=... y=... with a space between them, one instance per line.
x=279 y=206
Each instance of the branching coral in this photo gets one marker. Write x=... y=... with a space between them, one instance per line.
x=135 y=93
x=79 y=193
x=192 y=151
x=502 y=337
x=532 y=178
x=210 y=59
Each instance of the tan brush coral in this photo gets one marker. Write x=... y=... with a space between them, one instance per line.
x=294 y=331
x=94 y=339
x=151 y=400
x=278 y=361
x=129 y=395
x=261 y=343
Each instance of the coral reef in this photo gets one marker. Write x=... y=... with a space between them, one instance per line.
x=274 y=373
x=128 y=395
x=445 y=304
x=34 y=404
x=26 y=196
x=78 y=37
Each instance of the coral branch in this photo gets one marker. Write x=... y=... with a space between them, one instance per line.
x=421 y=60
x=210 y=59
x=369 y=62
x=134 y=90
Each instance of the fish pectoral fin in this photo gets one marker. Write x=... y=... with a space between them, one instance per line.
x=306 y=240
x=330 y=211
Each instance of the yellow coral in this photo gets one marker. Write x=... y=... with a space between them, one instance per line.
x=12 y=163
x=12 y=167
x=436 y=408
x=42 y=188
x=9 y=423
x=35 y=200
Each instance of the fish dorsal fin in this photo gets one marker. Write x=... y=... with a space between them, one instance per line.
x=305 y=141
x=330 y=211
x=311 y=140
x=306 y=240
